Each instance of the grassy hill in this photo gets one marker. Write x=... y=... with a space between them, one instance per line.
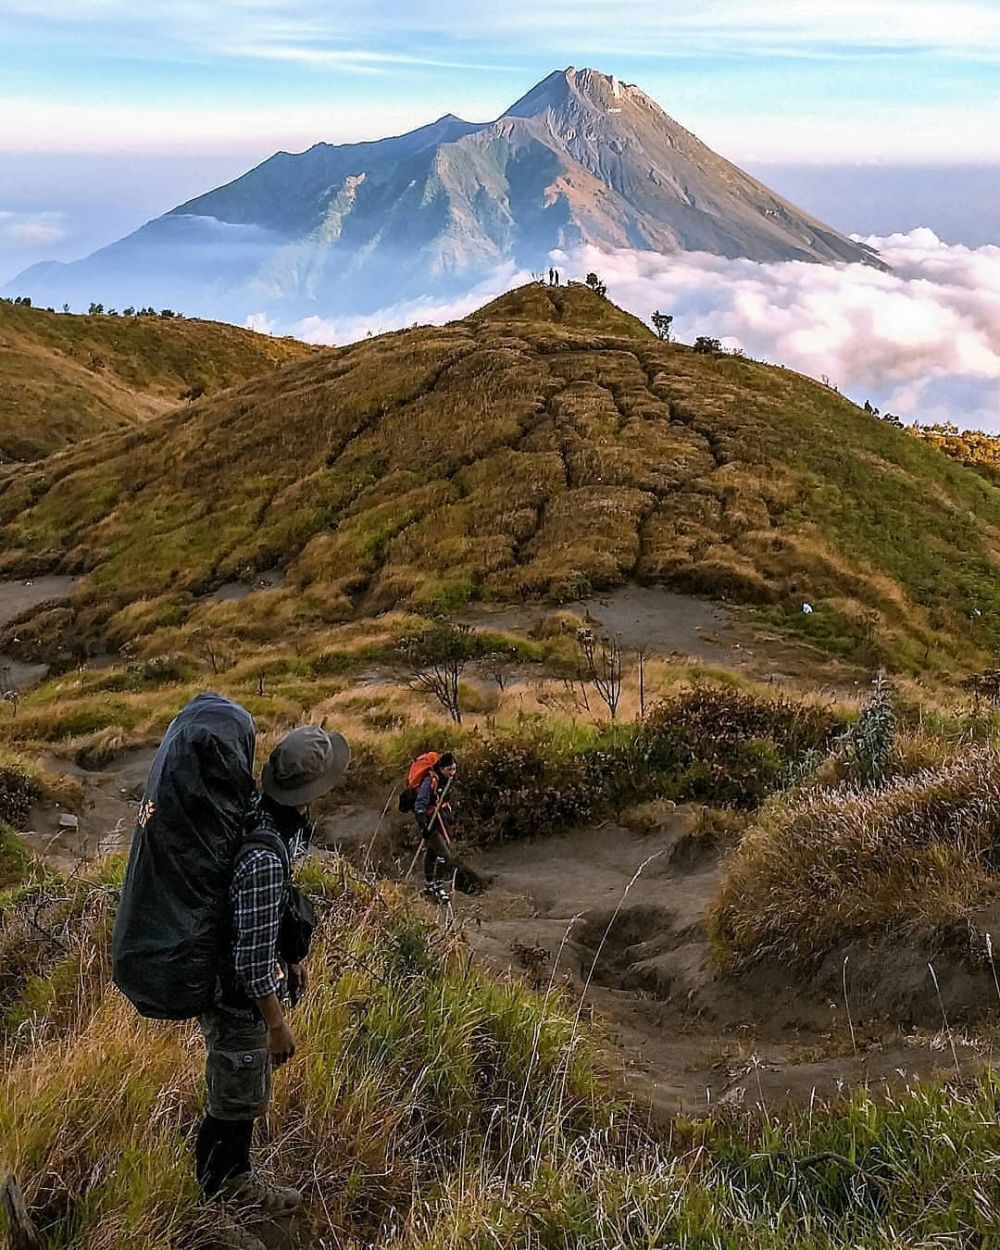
x=66 y=377
x=545 y=446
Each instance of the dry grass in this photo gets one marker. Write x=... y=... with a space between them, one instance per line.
x=66 y=377
x=824 y=866
x=432 y=1108
x=546 y=446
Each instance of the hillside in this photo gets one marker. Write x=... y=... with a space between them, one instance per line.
x=66 y=377
x=546 y=446
x=582 y=158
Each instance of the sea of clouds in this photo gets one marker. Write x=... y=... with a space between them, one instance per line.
x=922 y=341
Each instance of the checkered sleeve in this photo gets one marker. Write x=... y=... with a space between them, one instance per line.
x=256 y=896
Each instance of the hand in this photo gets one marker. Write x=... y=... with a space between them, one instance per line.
x=280 y=1044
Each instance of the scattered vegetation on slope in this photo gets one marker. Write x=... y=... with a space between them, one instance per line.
x=546 y=446
x=974 y=448
x=65 y=377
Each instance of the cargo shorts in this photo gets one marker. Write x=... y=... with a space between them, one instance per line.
x=238 y=1066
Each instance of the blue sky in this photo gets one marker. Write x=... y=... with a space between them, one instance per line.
x=114 y=110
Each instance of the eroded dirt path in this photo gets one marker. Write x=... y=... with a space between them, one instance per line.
x=15 y=598
x=684 y=1037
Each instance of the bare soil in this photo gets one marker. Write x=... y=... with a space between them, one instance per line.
x=617 y=918
x=666 y=623
x=22 y=596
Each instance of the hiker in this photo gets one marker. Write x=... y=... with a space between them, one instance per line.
x=433 y=814
x=551 y=276
x=210 y=927
x=246 y=1032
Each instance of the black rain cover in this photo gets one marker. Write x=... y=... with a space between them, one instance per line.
x=173 y=919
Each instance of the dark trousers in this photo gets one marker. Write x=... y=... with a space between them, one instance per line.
x=437 y=856
x=222 y=1152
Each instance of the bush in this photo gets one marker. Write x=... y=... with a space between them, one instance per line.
x=17 y=793
x=729 y=747
x=721 y=745
x=916 y=854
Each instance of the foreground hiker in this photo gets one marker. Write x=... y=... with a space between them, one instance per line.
x=210 y=926
x=245 y=1031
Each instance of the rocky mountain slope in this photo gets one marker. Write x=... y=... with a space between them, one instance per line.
x=66 y=377
x=546 y=446
x=582 y=158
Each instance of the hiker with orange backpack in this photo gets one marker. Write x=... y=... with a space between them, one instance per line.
x=427 y=785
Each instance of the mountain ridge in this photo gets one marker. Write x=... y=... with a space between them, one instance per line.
x=545 y=447
x=581 y=158
x=64 y=376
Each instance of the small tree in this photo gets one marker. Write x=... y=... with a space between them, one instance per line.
x=869 y=741
x=437 y=658
x=661 y=324
x=602 y=658
x=706 y=346
x=499 y=662
x=596 y=285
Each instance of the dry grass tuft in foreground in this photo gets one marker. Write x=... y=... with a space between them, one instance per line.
x=820 y=867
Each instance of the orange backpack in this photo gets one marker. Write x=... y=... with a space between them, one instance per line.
x=419 y=769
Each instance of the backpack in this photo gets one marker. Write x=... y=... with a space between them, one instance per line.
x=419 y=769
x=172 y=924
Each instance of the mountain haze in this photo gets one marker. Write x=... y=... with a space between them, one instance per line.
x=581 y=159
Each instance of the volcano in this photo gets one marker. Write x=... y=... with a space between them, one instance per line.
x=583 y=158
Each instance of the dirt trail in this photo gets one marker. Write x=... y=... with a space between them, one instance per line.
x=18 y=597
x=685 y=1037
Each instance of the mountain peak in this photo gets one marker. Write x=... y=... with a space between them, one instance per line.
x=562 y=87
x=582 y=158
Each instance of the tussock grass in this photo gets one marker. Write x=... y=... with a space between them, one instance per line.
x=542 y=447
x=431 y=1108
x=823 y=866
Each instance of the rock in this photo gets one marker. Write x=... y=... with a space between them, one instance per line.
x=68 y=821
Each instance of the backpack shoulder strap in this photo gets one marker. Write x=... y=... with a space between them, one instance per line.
x=263 y=838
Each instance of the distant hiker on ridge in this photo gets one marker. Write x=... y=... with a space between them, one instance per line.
x=210 y=925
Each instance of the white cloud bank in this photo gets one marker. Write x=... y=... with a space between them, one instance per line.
x=922 y=341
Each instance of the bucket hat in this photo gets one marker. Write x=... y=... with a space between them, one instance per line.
x=304 y=765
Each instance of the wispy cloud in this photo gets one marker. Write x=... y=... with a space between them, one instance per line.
x=960 y=26
x=32 y=229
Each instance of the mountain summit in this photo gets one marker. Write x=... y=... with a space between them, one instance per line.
x=583 y=158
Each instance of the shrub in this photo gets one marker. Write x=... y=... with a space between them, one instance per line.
x=834 y=864
x=868 y=743
x=17 y=793
x=722 y=745
x=729 y=747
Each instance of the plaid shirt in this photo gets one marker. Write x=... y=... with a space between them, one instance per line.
x=257 y=898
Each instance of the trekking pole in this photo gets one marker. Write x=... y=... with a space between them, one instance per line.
x=378 y=827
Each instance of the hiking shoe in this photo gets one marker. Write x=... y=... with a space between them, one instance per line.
x=250 y=1191
x=233 y=1236
x=437 y=893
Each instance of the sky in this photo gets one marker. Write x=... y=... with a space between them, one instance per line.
x=113 y=111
